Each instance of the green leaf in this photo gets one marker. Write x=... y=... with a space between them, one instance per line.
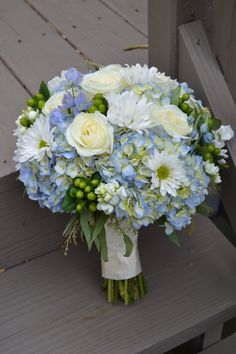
x=216 y=123
x=103 y=244
x=84 y=223
x=174 y=238
x=175 y=96
x=68 y=204
x=43 y=89
x=100 y=222
x=204 y=209
x=128 y=245
x=97 y=244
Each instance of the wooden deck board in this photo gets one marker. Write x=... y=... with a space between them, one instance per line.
x=133 y=11
x=13 y=98
x=54 y=304
x=27 y=231
x=31 y=47
x=97 y=31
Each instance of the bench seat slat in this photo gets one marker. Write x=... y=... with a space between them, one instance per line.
x=54 y=304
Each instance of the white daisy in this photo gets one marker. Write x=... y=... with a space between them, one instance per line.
x=137 y=74
x=168 y=172
x=129 y=110
x=37 y=142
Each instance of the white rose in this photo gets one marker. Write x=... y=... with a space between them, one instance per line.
x=106 y=79
x=225 y=132
x=172 y=119
x=53 y=102
x=90 y=134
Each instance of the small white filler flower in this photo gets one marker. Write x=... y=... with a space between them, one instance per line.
x=168 y=173
x=37 y=142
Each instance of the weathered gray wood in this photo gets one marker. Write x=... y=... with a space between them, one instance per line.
x=226 y=346
x=10 y=90
x=97 y=31
x=31 y=47
x=231 y=67
x=218 y=18
x=54 y=304
x=212 y=336
x=27 y=231
x=162 y=34
x=198 y=66
x=133 y=11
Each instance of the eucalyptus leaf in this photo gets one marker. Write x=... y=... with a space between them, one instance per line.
x=174 y=238
x=128 y=245
x=175 y=96
x=84 y=223
x=43 y=89
x=97 y=244
x=103 y=244
x=100 y=222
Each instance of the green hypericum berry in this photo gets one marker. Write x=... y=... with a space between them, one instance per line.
x=41 y=104
x=189 y=111
x=97 y=102
x=72 y=192
x=217 y=151
x=102 y=108
x=98 y=96
x=208 y=156
x=184 y=107
x=92 y=109
x=92 y=207
x=24 y=122
x=185 y=97
x=31 y=102
x=80 y=207
x=82 y=184
x=91 y=196
x=77 y=181
x=211 y=148
x=79 y=194
x=88 y=189
x=39 y=96
x=95 y=182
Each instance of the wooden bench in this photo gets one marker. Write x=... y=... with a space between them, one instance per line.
x=226 y=346
x=51 y=303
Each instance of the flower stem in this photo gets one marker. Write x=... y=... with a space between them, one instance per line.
x=140 y=283
x=127 y=290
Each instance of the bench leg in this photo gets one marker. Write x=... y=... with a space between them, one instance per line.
x=212 y=336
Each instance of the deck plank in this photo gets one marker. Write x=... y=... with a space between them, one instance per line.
x=11 y=91
x=98 y=32
x=133 y=11
x=54 y=304
x=27 y=231
x=31 y=47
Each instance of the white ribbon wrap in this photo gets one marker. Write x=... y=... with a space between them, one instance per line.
x=119 y=267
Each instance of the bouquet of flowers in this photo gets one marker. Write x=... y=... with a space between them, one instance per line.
x=118 y=149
